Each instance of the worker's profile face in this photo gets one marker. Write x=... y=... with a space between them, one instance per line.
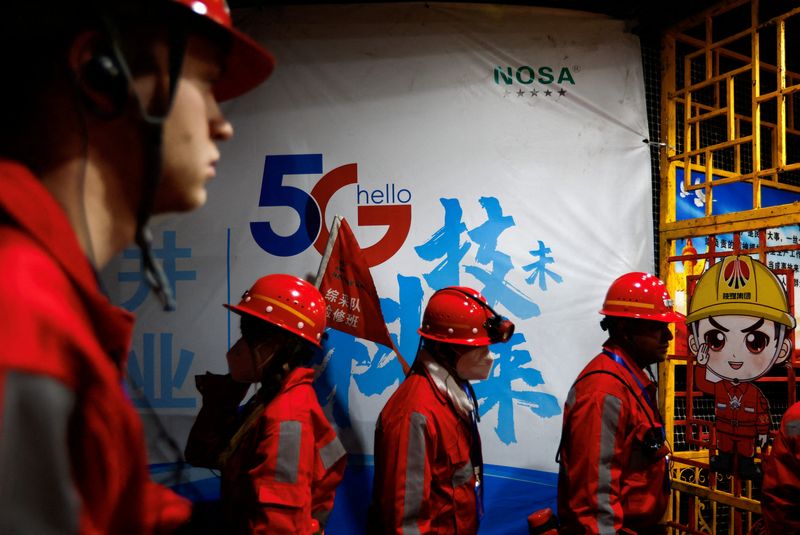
x=649 y=340
x=739 y=348
x=247 y=359
x=192 y=130
x=241 y=362
x=474 y=363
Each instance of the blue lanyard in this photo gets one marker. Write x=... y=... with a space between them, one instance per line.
x=476 y=455
x=619 y=360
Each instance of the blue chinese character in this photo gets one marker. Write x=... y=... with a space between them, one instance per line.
x=495 y=288
x=539 y=268
x=497 y=389
x=167 y=254
x=446 y=244
x=143 y=375
x=335 y=363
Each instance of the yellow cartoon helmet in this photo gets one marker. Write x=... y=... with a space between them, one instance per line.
x=740 y=286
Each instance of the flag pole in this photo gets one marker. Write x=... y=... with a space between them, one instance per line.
x=323 y=265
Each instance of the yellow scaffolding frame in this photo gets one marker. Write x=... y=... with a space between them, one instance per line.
x=729 y=115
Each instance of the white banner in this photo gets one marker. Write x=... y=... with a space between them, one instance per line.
x=495 y=147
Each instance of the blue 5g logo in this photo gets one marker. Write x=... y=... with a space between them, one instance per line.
x=310 y=207
x=275 y=193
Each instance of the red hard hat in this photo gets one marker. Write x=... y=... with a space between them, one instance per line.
x=247 y=63
x=453 y=317
x=288 y=302
x=640 y=295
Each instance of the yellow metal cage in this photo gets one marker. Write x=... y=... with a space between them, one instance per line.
x=730 y=117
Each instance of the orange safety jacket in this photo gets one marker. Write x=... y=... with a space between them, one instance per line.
x=72 y=450
x=613 y=473
x=425 y=477
x=281 y=475
x=780 y=493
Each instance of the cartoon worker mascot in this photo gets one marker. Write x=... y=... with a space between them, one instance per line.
x=739 y=325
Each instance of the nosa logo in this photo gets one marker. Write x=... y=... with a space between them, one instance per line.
x=387 y=206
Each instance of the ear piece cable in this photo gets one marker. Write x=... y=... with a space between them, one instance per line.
x=152 y=133
x=153 y=122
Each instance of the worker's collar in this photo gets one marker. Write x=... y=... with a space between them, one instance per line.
x=448 y=385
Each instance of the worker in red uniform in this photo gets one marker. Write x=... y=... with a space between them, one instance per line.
x=281 y=460
x=89 y=91
x=613 y=475
x=739 y=324
x=780 y=491
x=428 y=463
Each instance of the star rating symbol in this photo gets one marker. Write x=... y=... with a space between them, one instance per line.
x=533 y=92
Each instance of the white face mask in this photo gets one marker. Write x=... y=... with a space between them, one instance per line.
x=244 y=365
x=475 y=364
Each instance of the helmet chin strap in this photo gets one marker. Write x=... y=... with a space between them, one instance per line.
x=153 y=133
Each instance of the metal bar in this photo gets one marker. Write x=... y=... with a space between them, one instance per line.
x=746 y=504
x=719 y=45
x=731 y=108
x=710 y=115
x=714 y=79
x=781 y=92
x=780 y=146
x=713 y=11
x=775 y=216
x=667 y=202
x=747 y=118
x=756 y=106
x=716 y=146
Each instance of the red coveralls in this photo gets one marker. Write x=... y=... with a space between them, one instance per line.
x=742 y=413
x=285 y=469
x=780 y=494
x=424 y=476
x=609 y=481
x=72 y=452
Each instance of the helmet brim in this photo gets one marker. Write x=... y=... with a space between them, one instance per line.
x=247 y=65
x=665 y=317
x=478 y=341
x=242 y=311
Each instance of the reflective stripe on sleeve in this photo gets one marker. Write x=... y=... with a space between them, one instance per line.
x=415 y=473
x=608 y=431
x=463 y=475
x=37 y=491
x=288 y=462
x=571 y=397
x=321 y=517
x=793 y=428
x=331 y=452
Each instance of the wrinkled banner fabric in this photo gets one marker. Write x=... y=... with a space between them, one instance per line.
x=497 y=147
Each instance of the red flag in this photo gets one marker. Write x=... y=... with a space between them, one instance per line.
x=350 y=295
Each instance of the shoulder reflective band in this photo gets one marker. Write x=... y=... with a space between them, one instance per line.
x=415 y=473
x=331 y=452
x=608 y=432
x=463 y=475
x=793 y=428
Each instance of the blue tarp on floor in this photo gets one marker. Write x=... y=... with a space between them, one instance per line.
x=511 y=495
